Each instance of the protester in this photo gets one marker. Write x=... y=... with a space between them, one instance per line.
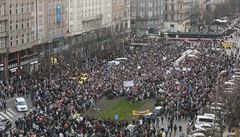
x=57 y=102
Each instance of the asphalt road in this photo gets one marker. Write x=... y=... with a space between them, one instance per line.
x=11 y=113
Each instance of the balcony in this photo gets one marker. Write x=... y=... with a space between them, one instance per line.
x=3 y=34
x=4 y=17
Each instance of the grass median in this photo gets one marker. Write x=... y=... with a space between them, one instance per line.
x=121 y=107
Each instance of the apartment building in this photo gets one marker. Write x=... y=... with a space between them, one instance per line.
x=198 y=10
x=88 y=15
x=56 y=18
x=146 y=16
x=42 y=21
x=18 y=34
x=177 y=15
x=120 y=15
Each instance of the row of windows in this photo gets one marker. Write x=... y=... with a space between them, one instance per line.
x=2 y=10
x=150 y=4
x=2 y=42
x=86 y=3
x=21 y=24
x=172 y=7
x=173 y=18
x=22 y=39
x=149 y=13
x=21 y=8
x=86 y=13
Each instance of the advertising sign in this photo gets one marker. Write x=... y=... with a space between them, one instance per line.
x=58 y=13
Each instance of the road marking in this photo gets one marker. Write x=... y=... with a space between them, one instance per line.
x=11 y=111
x=5 y=115
x=9 y=114
x=1 y=117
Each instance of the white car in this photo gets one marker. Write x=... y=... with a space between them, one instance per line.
x=21 y=104
x=204 y=126
x=198 y=135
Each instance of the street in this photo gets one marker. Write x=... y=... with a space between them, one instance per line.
x=11 y=113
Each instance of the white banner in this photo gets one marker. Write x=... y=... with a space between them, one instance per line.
x=128 y=83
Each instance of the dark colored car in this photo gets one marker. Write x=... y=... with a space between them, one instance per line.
x=5 y=125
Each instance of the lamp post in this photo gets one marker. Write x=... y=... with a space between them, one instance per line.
x=177 y=113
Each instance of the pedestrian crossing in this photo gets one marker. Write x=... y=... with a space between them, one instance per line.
x=8 y=114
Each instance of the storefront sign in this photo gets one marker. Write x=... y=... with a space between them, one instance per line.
x=34 y=62
x=12 y=65
x=13 y=69
x=1 y=67
x=28 y=61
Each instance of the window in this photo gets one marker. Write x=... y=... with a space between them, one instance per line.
x=1 y=28
x=40 y=34
x=166 y=17
x=10 y=10
x=142 y=4
x=172 y=7
x=40 y=6
x=11 y=41
x=150 y=4
x=16 y=9
x=16 y=40
x=11 y=25
x=32 y=22
x=181 y=7
x=1 y=10
x=150 y=13
x=166 y=7
x=172 y=17
x=22 y=8
x=23 y=38
x=28 y=23
x=1 y=42
x=17 y=24
x=22 y=23
x=142 y=14
x=28 y=9
x=32 y=36
x=40 y=20
x=28 y=37
x=32 y=7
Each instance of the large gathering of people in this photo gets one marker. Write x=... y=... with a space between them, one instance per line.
x=58 y=100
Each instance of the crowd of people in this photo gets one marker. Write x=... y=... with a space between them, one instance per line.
x=58 y=101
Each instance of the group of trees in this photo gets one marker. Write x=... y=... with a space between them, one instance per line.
x=227 y=8
x=232 y=117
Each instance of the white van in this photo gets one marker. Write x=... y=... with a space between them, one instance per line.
x=202 y=119
x=21 y=104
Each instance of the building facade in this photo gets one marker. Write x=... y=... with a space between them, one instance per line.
x=197 y=14
x=88 y=15
x=177 y=15
x=18 y=34
x=120 y=15
x=56 y=18
x=146 y=16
